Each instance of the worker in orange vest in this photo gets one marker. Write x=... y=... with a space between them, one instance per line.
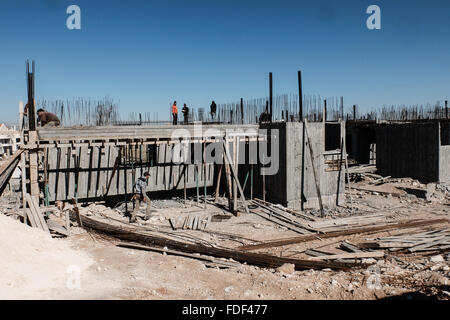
x=175 y=112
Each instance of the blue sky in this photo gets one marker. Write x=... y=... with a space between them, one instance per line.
x=146 y=54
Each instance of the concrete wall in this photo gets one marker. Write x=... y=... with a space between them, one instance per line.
x=444 y=164
x=409 y=150
x=285 y=186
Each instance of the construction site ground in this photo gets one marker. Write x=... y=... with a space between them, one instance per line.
x=37 y=266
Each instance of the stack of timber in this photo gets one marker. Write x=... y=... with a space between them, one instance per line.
x=34 y=214
x=147 y=238
x=408 y=224
x=283 y=217
x=435 y=240
x=189 y=223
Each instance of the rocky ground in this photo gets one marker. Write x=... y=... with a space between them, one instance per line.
x=111 y=272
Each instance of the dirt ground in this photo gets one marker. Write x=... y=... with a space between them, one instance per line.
x=107 y=271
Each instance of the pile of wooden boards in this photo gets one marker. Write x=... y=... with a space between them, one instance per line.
x=7 y=169
x=189 y=223
x=34 y=214
x=149 y=238
x=434 y=240
x=283 y=216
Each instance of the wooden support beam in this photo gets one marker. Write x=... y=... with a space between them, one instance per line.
x=316 y=177
x=227 y=155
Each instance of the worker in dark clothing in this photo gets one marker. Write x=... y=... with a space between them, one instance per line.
x=265 y=116
x=175 y=113
x=140 y=194
x=185 y=111
x=48 y=119
x=213 y=108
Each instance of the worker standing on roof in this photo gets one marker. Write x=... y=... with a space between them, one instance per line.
x=48 y=119
x=175 y=113
x=213 y=109
x=185 y=111
x=140 y=194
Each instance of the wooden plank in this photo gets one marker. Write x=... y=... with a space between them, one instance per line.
x=236 y=178
x=173 y=223
x=426 y=245
x=38 y=217
x=32 y=218
x=52 y=225
x=77 y=213
x=350 y=247
x=195 y=223
x=116 y=165
x=352 y=255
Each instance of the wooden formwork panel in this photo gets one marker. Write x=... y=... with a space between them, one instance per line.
x=85 y=171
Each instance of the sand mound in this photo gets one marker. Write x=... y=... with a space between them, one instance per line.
x=32 y=263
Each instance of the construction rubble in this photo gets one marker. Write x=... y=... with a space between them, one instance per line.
x=392 y=238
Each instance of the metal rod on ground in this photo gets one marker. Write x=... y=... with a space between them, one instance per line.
x=317 y=182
